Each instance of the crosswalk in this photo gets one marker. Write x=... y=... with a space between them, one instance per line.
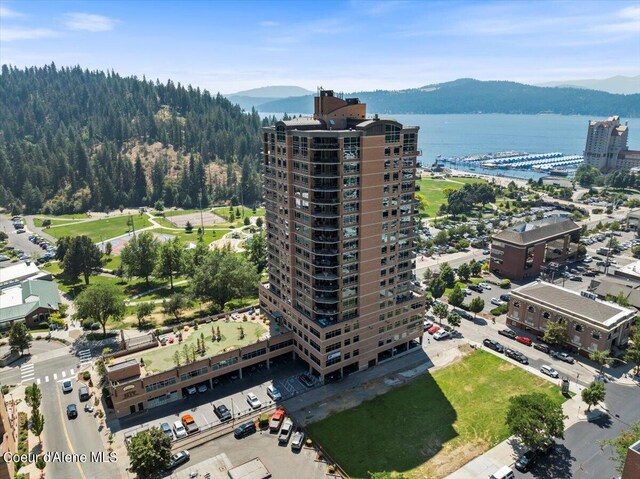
x=27 y=373
x=57 y=377
x=85 y=356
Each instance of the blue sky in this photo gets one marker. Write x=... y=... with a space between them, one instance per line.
x=347 y=45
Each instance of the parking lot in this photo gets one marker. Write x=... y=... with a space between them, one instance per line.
x=283 y=374
x=280 y=460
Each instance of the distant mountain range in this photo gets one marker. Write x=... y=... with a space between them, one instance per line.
x=618 y=84
x=257 y=96
x=474 y=96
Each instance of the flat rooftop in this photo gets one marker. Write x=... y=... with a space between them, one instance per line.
x=534 y=231
x=573 y=303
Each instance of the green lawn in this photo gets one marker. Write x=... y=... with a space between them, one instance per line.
x=432 y=426
x=433 y=190
x=99 y=230
x=112 y=261
x=462 y=285
x=223 y=212
x=162 y=358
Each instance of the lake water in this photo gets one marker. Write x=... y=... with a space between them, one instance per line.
x=463 y=135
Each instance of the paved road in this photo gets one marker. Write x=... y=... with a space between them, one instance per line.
x=579 y=455
x=51 y=363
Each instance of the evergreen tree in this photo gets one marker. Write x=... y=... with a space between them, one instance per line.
x=140 y=183
x=19 y=337
x=82 y=257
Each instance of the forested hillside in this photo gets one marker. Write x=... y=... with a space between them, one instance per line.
x=473 y=96
x=73 y=139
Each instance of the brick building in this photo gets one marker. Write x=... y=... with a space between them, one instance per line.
x=520 y=251
x=592 y=324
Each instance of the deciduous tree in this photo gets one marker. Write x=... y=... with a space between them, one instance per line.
x=143 y=311
x=437 y=288
x=100 y=303
x=456 y=297
x=140 y=255
x=33 y=396
x=593 y=394
x=476 y=305
x=533 y=418
x=556 y=333
x=37 y=424
x=464 y=271
x=171 y=260
x=149 y=452
x=622 y=443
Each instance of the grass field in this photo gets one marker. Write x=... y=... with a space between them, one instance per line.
x=112 y=262
x=248 y=212
x=209 y=235
x=162 y=358
x=102 y=229
x=432 y=426
x=433 y=190
x=171 y=213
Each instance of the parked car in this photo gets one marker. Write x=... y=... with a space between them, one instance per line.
x=285 y=431
x=506 y=297
x=508 y=333
x=222 y=412
x=426 y=324
x=590 y=273
x=253 y=401
x=524 y=340
x=497 y=302
x=575 y=277
x=492 y=344
x=563 y=357
x=202 y=388
x=273 y=393
x=191 y=390
x=189 y=424
x=442 y=334
x=517 y=355
x=72 y=411
x=541 y=347
x=306 y=380
x=434 y=329
x=476 y=288
x=466 y=291
x=486 y=286
x=527 y=460
x=179 y=430
x=297 y=441
x=276 y=419
x=178 y=459
x=67 y=386
x=164 y=427
x=549 y=371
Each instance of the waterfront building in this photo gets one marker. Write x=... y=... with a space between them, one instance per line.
x=339 y=193
x=606 y=147
x=521 y=251
x=340 y=206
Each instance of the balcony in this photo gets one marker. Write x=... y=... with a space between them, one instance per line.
x=325 y=185
x=321 y=198
x=325 y=285
x=326 y=298
x=325 y=211
x=328 y=261
x=323 y=171
x=328 y=273
x=324 y=144
x=325 y=224
x=325 y=237
x=325 y=251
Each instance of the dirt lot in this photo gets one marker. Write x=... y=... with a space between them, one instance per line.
x=208 y=218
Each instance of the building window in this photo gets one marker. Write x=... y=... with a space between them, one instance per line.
x=546 y=315
x=224 y=363
x=579 y=328
x=392 y=134
x=595 y=335
x=254 y=354
x=160 y=384
x=193 y=374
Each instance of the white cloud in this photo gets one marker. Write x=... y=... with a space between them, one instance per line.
x=10 y=34
x=8 y=13
x=89 y=22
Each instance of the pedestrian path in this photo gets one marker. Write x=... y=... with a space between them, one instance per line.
x=57 y=377
x=27 y=372
x=85 y=356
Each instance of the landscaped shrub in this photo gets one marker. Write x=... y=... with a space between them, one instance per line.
x=5 y=389
x=86 y=324
x=505 y=283
x=95 y=326
x=86 y=375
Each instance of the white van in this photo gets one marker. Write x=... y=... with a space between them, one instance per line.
x=549 y=371
x=504 y=472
